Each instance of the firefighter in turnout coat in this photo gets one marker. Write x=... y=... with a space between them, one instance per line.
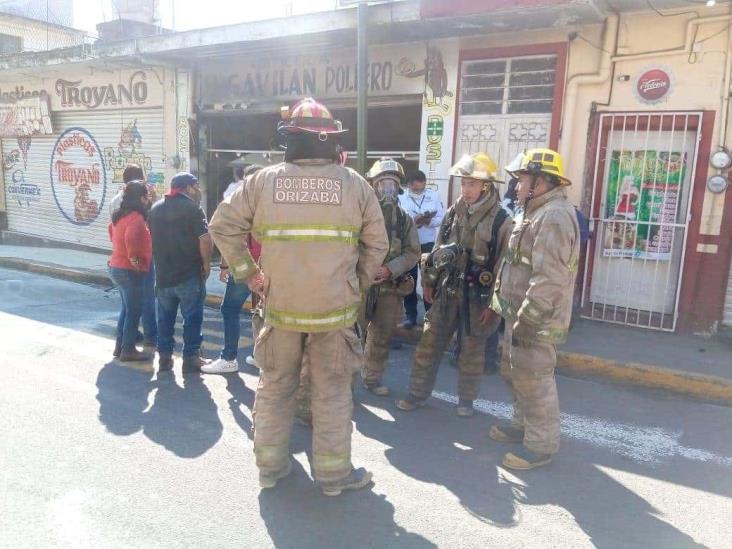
x=458 y=280
x=534 y=294
x=323 y=240
x=383 y=304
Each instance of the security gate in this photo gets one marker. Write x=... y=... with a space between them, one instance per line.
x=643 y=175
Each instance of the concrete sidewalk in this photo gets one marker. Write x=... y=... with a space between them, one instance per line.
x=681 y=364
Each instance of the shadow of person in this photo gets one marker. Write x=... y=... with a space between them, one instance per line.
x=183 y=419
x=609 y=513
x=297 y=515
x=468 y=464
x=123 y=396
x=241 y=395
x=435 y=447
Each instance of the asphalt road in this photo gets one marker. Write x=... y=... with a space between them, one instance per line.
x=96 y=454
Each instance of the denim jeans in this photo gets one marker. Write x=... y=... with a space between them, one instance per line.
x=234 y=298
x=410 y=301
x=149 y=321
x=130 y=284
x=190 y=296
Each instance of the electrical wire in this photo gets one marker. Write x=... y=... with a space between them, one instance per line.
x=652 y=7
x=599 y=48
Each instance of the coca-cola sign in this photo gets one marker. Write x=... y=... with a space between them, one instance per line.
x=653 y=85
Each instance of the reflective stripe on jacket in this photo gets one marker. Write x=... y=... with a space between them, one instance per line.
x=535 y=282
x=323 y=239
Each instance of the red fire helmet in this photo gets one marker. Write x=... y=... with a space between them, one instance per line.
x=308 y=115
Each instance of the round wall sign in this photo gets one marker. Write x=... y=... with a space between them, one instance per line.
x=653 y=85
x=78 y=176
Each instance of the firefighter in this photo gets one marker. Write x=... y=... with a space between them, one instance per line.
x=383 y=304
x=534 y=294
x=323 y=240
x=458 y=280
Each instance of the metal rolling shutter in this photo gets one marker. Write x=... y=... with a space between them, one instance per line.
x=727 y=315
x=123 y=136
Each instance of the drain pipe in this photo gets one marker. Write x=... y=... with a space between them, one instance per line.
x=609 y=46
x=726 y=88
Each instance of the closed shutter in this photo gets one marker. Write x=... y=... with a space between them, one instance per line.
x=727 y=316
x=41 y=203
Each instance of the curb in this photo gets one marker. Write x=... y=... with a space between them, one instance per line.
x=700 y=387
x=55 y=271
x=83 y=277
x=706 y=388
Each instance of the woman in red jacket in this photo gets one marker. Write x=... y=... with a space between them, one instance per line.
x=130 y=261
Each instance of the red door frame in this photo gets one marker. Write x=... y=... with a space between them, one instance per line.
x=556 y=48
x=696 y=268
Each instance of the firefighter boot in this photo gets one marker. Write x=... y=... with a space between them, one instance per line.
x=501 y=432
x=356 y=479
x=524 y=459
x=270 y=480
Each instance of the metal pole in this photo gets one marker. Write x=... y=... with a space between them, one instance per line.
x=362 y=107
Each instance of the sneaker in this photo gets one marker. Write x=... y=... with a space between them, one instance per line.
x=250 y=360
x=465 y=408
x=378 y=389
x=356 y=479
x=193 y=364
x=270 y=480
x=150 y=346
x=524 y=459
x=134 y=355
x=501 y=432
x=220 y=366
x=410 y=403
x=409 y=323
x=165 y=363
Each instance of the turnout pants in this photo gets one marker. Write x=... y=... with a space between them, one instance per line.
x=386 y=315
x=441 y=323
x=528 y=368
x=332 y=358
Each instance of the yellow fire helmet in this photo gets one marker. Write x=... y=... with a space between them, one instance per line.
x=385 y=165
x=544 y=161
x=476 y=166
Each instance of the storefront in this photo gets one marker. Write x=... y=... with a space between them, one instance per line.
x=73 y=135
x=637 y=108
x=242 y=98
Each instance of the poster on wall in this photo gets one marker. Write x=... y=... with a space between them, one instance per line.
x=642 y=203
x=25 y=117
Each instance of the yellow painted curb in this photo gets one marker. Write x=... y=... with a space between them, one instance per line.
x=700 y=386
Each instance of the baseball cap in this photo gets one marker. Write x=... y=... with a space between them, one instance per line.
x=182 y=180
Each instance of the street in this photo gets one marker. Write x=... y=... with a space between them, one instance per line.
x=98 y=454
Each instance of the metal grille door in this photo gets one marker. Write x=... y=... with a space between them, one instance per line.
x=643 y=174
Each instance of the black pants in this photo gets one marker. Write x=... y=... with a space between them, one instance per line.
x=410 y=301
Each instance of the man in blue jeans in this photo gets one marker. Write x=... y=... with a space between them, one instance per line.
x=182 y=251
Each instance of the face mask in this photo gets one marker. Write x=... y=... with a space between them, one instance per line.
x=386 y=188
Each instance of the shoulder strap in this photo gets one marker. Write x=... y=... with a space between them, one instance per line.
x=447 y=224
x=501 y=216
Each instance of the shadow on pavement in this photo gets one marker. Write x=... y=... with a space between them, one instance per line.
x=356 y=519
x=463 y=460
x=183 y=419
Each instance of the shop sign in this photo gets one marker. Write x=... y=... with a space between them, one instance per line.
x=653 y=85
x=642 y=203
x=390 y=71
x=77 y=93
x=25 y=117
x=78 y=176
